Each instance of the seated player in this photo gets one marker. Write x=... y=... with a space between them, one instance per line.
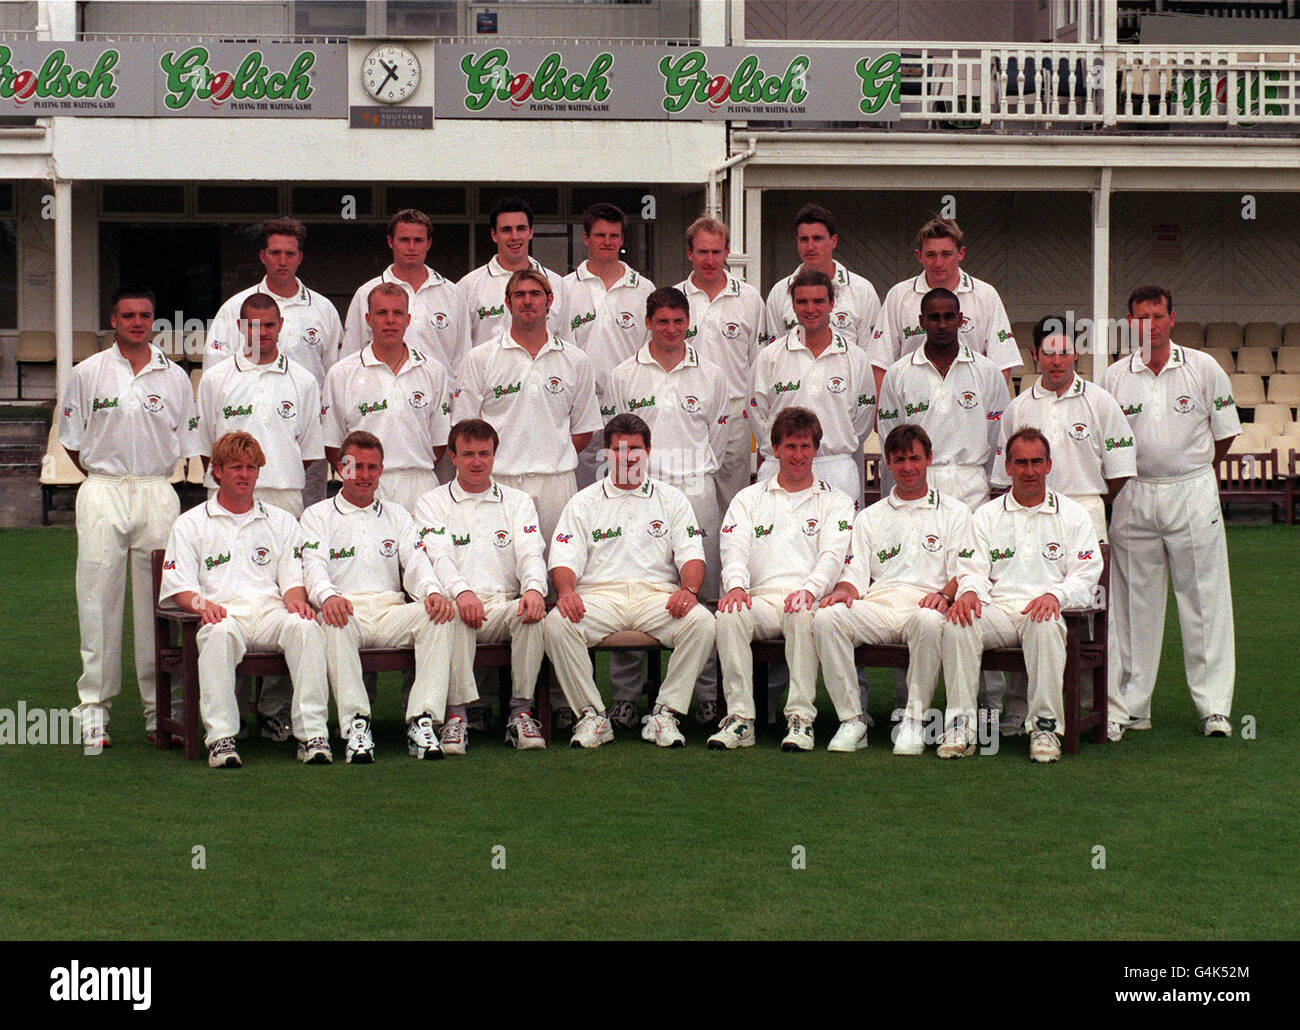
x=357 y=555
x=896 y=586
x=485 y=547
x=627 y=555
x=234 y=561
x=1032 y=552
x=783 y=544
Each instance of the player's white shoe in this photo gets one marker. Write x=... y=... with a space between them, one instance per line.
x=453 y=737
x=851 y=736
x=1114 y=732
x=94 y=732
x=222 y=754
x=524 y=733
x=660 y=727
x=958 y=742
x=1216 y=726
x=315 y=751
x=736 y=731
x=799 y=734
x=361 y=743
x=909 y=738
x=421 y=741
x=1044 y=746
x=592 y=730
x=1139 y=724
x=624 y=713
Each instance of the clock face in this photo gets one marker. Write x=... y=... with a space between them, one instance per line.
x=390 y=73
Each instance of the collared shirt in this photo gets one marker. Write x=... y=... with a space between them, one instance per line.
x=772 y=539
x=279 y=403
x=911 y=543
x=535 y=404
x=856 y=306
x=1177 y=415
x=961 y=412
x=984 y=325
x=409 y=411
x=489 y=542
x=129 y=424
x=224 y=557
x=485 y=293
x=1019 y=553
x=727 y=330
x=310 y=335
x=1090 y=439
x=837 y=386
x=645 y=535
x=347 y=550
x=440 y=321
x=609 y=325
x=686 y=407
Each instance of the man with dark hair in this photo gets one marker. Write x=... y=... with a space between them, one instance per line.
x=984 y=326
x=1167 y=522
x=1031 y=553
x=856 y=300
x=440 y=322
x=783 y=544
x=485 y=287
x=631 y=546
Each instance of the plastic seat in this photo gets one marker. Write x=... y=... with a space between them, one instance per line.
x=1222 y=334
x=1291 y=334
x=1284 y=389
x=85 y=342
x=1273 y=418
x=1188 y=334
x=1262 y=334
x=1252 y=438
x=1225 y=359
x=1255 y=361
x=35 y=347
x=1288 y=359
x=1247 y=390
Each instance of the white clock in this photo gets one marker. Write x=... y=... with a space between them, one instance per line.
x=390 y=73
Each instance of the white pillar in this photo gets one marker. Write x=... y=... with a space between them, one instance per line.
x=754 y=237
x=56 y=20
x=713 y=22
x=1100 y=336
x=62 y=282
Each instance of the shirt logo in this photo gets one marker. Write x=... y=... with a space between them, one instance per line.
x=1052 y=551
x=1224 y=402
x=100 y=405
x=211 y=562
x=388 y=548
x=694 y=531
x=884 y=556
x=555 y=385
x=657 y=527
x=762 y=531
x=966 y=552
x=311 y=336
x=993 y=416
x=374 y=406
x=579 y=321
x=864 y=400
x=840 y=319
x=916 y=409
x=626 y=320
x=967 y=399
x=888 y=413
x=608 y=411
x=810 y=527
x=440 y=320
x=932 y=543
x=1078 y=431
x=1183 y=404
x=598 y=535
x=786 y=387
x=286 y=409
x=691 y=403
x=1006 y=554
x=644 y=402
x=729 y=528
x=531 y=529
x=501 y=538
x=1123 y=441
x=506 y=389
x=483 y=312
x=261 y=556
x=731 y=330
x=343 y=552
x=1133 y=409
x=418 y=399
x=239 y=411
x=563 y=538
x=460 y=541
x=965 y=325
x=169 y=565
x=153 y=403
x=836 y=384
x=436 y=530
x=1085 y=556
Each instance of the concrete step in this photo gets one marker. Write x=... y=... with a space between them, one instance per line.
x=17 y=432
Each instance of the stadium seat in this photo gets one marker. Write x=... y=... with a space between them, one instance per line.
x=1252 y=438
x=1248 y=391
x=1024 y=334
x=57 y=472
x=1283 y=445
x=1284 y=389
x=35 y=347
x=1272 y=418
x=1288 y=359
x=194 y=471
x=873 y=444
x=1225 y=359
x=1188 y=334
x=1291 y=334
x=1027 y=359
x=1222 y=334
x=1084 y=366
x=1255 y=361
x=85 y=342
x=1262 y=334
x=1293 y=429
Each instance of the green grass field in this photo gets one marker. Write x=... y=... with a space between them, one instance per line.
x=630 y=842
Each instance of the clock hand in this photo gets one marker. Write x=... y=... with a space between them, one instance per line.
x=392 y=74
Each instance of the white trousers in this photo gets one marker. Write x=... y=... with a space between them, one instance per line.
x=261 y=625
x=629 y=606
x=737 y=461
x=766 y=620
x=387 y=620
x=839 y=470
x=890 y=616
x=118 y=520
x=406 y=486
x=1003 y=625
x=502 y=623
x=1162 y=529
x=550 y=492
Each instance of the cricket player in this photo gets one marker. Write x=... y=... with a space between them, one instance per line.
x=395 y=392
x=1031 y=553
x=440 y=321
x=605 y=309
x=234 y=561
x=485 y=287
x=483 y=541
x=897 y=584
x=727 y=328
x=816 y=367
x=984 y=326
x=856 y=300
x=127 y=418
x=783 y=544
x=627 y=555
x=360 y=564
x=1167 y=522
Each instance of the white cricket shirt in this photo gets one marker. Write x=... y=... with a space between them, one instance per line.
x=348 y=550
x=310 y=335
x=909 y=543
x=727 y=330
x=485 y=293
x=608 y=325
x=984 y=325
x=227 y=557
x=854 y=313
x=440 y=321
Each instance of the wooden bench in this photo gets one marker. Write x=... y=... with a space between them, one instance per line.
x=1259 y=477
x=176 y=651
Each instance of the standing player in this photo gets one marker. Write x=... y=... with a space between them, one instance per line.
x=394 y=392
x=311 y=331
x=483 y=542
x=440 y=322
x=898 y=582
x=783 y=543
x=485 y=287
x=358 y=553
x=1167 y=522
x=984 y=326
x=271 y=396
x=234 y=562
x=128 y=417
x=604 y=314
x=856 y=300
x=1032 y=552
x=816 y=367
x=727 y=325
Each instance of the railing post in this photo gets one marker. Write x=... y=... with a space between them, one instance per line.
x=986 y=87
